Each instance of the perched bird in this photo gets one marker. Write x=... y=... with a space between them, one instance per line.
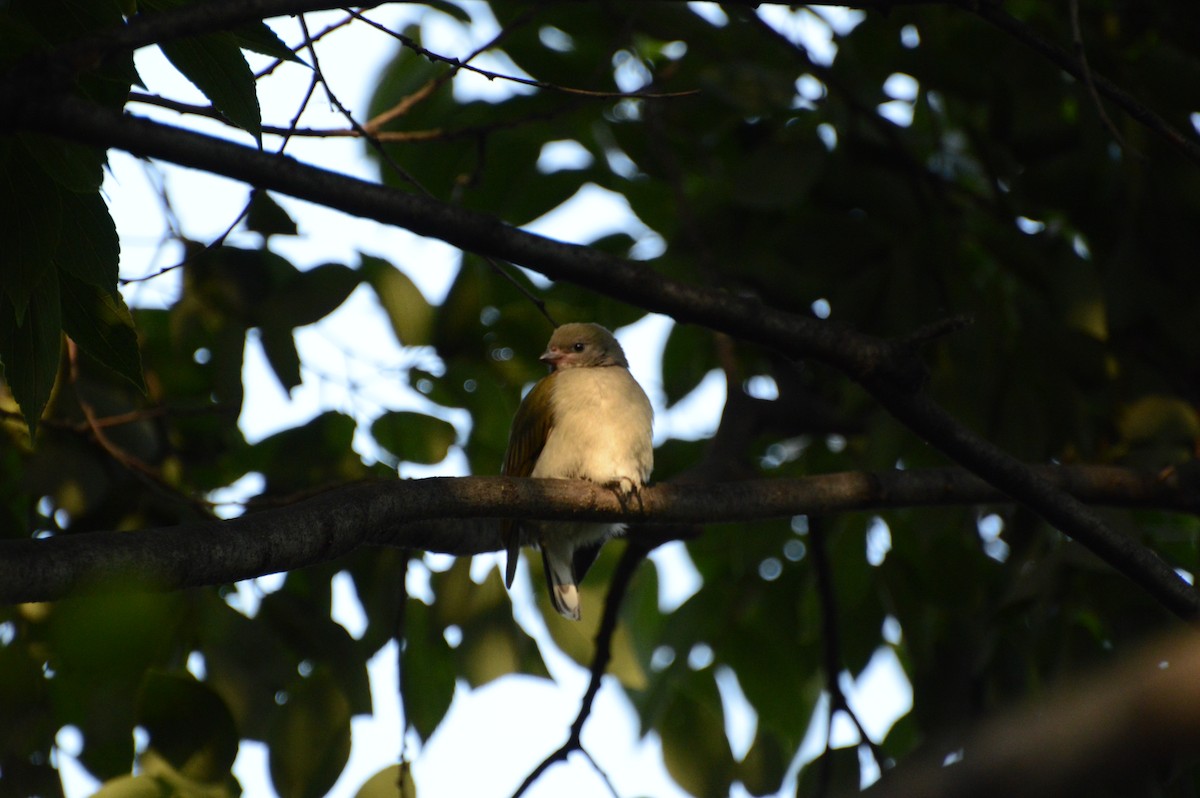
x=587 y=419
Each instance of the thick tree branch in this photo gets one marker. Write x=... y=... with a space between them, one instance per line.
x=743 y=317
x=1102 y=735
x=455 y=516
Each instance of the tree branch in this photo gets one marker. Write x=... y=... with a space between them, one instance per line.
x=1103 y=734
x=456 y=516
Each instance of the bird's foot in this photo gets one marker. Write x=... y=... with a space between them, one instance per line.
x=626 y=489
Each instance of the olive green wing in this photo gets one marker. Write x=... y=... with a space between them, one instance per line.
x=526 y=439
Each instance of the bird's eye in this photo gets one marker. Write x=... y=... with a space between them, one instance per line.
x=578 y=347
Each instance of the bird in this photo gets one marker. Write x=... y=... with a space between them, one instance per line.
x=587 y=419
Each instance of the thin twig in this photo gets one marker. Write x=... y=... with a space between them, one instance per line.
x=278 y=62
x=376 y=137
x=831 y=643
x=940 y=328
x=464 y=64
x=191 y=258
x=349 y=117
x=404 y=174
x=123 y=457
x=118 y=419
x=996 y=15
x=303 y=105
x=128 y=461
x=406 y=103
x=432 y=85
x=600 y=772
x=399 y=136
x=400 y=636
x=1081 y=54
x=631 y=557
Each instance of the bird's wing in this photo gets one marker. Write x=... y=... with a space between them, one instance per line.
x=526 y=440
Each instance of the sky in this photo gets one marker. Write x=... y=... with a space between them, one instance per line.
x=351 y=363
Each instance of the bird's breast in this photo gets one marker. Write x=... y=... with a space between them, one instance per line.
x=601 y=429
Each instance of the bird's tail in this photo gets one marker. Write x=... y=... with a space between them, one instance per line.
x=560 y=579
x=512 y=544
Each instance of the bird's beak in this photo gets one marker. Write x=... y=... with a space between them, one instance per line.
x=551 y=357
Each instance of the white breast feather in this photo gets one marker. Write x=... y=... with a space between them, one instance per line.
x=602 y=428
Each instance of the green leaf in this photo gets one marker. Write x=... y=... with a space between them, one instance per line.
x=112 y=636
x=326 y=442
x=414 y=437
x=30 y=224
x=279 y=343
x=577 y=639
x=778 y=177
x=1159 y=418
x=450 y=9
x=75 y=167
x=88 y=247
x=695 y=748
x=189 y=726
x=301 y=618
x=376 y=574
x=267 y=217
x=103 y=646
x=306 y=297
x=141 y=786
x=17 y=37
x=259 y=37
x=23 y=692
x=765 y=765
x=29 y=351
x=246 y=662
x=310 y=738
x=492 y=645
x=100 y=324
x=429 y=670
x=238 y=284
x=844 y=773
x=394 y=781
x=687 y=358
x=215 y=65
x=409 y=312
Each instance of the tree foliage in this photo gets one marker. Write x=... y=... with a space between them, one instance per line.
x=963 y=239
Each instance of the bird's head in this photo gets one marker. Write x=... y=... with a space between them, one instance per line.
x=579 y=344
